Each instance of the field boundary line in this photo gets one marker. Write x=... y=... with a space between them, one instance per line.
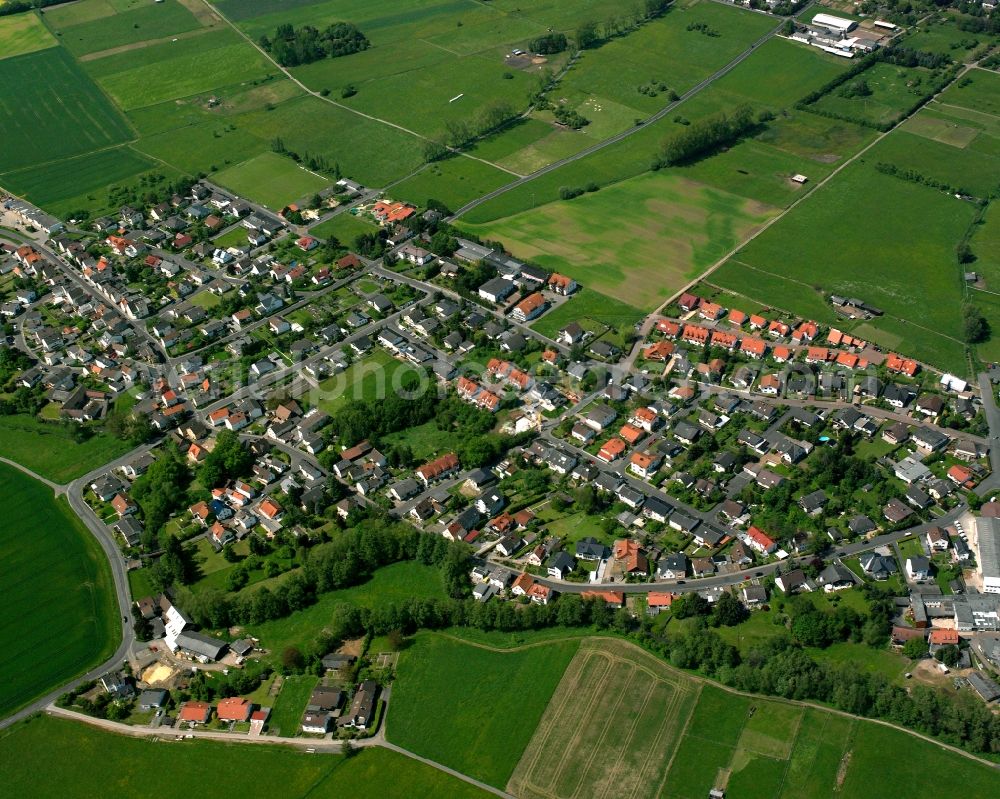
x=127 y=48
x=683 y=733
x=669 y=723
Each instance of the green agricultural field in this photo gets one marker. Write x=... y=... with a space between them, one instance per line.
x=373 y=377
x=588 y=304
x=944 y=38
x=486 y=702
x=92 y=173
x=611 y=727
x=453 y=182
x=345 y=227
x=272 y=180
x=291 y=704
x=674 y=229
x=62 y=616
x=604 y=84
x=130 y=765
x=979 y=90
x=985 y=244
x=173 y=70
x=142 y=23
x=970 y=171
x=368 y=151
x=23 y=33
x=390 y=584
x=757 y=169
x=906 y=267
x=779 y=73
x=880 y=755
x=893 y=90
x=64 y=114
x=49 y=450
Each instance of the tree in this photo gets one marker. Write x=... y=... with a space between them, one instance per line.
x=975 y=325
x=587 y=36
x=396 y=640
x=915 y=648
x=549 y=44
x=292 y=659
x=227 y=460
x=949 y=655
x=692 y=604
x=729 y=611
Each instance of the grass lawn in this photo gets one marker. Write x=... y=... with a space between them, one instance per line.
x=130 y=765
x=140 y=583
x=589 y=304
x=675 y=229
x=939 y=37
x=206 y=299
x=425 y=441
x=918 y=226
x=393 y=583
x=883 y=756
x=23 y=33
x=889 y=664
x=62 y=617
x=291 y=704
x=49 y=450
x=453 y=182
x=345 y=227
x=892 y=93
x=472 y=708
x=235 y=237
x=758 y=628
x=373 y=377
x=272 y=180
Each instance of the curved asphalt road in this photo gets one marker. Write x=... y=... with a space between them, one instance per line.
x=74 y=493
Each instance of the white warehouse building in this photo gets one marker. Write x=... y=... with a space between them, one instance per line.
x=988 y=535
x=832 y=23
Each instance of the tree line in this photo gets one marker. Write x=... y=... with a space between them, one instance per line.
x=291 y=46
x=706 y=136
x=778 y=666
x=351 y=558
